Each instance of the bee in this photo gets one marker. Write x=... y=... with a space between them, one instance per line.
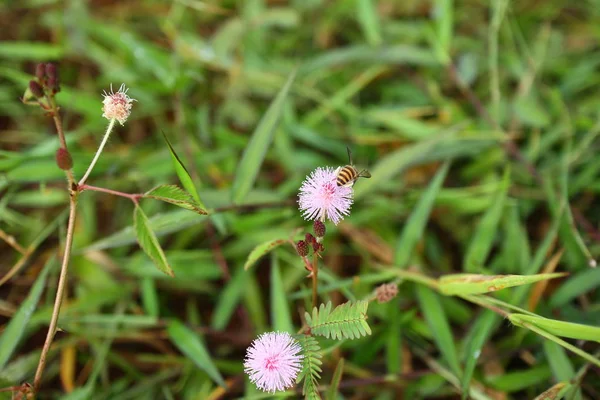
x=347 y=175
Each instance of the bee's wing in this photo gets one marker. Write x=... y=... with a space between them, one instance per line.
x=349 y=155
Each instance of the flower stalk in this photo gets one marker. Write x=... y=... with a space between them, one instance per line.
x=111 y=124
x=117 y=107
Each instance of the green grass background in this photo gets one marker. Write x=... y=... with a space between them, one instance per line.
x=479 y=122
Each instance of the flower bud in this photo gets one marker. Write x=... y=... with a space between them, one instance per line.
x=53 y=84
x=51 y=71
x=40 y=72
x=302 y=248
x=63 y=159
x=319 y=228
x=386 y=292
x=317 y=247
x=36 y=89
x=309 y=238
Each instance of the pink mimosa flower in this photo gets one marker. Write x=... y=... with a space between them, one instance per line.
x=117 y=105
x=273 y=361
x=321 y=198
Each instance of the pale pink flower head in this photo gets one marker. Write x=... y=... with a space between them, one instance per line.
x=273 y=361
x=117 y=105
x=321 y=198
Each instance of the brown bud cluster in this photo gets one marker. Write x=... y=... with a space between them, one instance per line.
x=46 y=80
x=64 y=159
x=36 y=89
x=386 y=292
x=302 y=248
x=316 y=245
x=319 y=229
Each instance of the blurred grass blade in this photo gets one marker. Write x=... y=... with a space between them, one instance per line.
x=335 y=381
x=162 y=224
x=48 y=229
x=515 y=381
x=538 y=260
x=280 y=312
x=261 y=250
x=414 y=228
x=485 y=233
x=438 y=325
x=188 y=342
x=149 y=242
x=558 y=328
x=443 y=146
x=464 y=284
x=175 y=195
x=556 y=392
x=482 y=330
x=229 y=299
x=444 y=21
x=393 y=342
x=577 y=284
x=366 y=14
x=257 y=147
x=395 y=55
x=17 y=326
x=586 y=356
x=560 y=364
x=183 y=174
x=33 y=51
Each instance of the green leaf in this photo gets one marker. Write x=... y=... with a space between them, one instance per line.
x=261 y=250
x=443 y=146
x=280 y=312
x=577 y=284
x=311 y=367
x=229 y=299
x=482 y=330
x=335 y=381
x=520 y=380
x=438 y=325
x=34 y=51
x=348 y=320
x=483 y=237
x=561 y=365
x=393 y=343
x=183 y=174
x=444 y=21
x=414 y=228
x=366 y=13
x=188 y=342
x=17 y=326
x=558 y=328
x=255 y=151
x=393 y=55
x=175 y=195
x=554 y=393
x=464 y=284
x=149 y=242
x=161 y=224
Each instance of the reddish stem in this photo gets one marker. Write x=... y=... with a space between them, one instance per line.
x=131 y=196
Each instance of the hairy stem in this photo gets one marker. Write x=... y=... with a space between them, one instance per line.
x=131 y=196
x=59 y=291
x=61 y=137
x=315 y=275
x=97 y=155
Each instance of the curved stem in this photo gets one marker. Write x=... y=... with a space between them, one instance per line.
x=97 y=155
x=60 y=290
x=315 y=275
x=131 y=196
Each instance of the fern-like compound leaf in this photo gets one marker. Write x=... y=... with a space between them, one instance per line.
x=346 y=321
x=311 y=367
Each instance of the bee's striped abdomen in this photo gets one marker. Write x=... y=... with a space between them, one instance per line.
x=347 y=175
